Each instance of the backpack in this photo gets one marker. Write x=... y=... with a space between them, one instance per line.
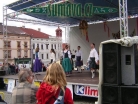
x=60 y=99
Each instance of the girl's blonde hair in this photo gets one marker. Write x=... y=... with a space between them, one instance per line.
x=55 y=76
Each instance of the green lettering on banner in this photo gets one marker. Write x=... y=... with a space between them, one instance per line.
x=78 y=10
x=49 y=11
x=61 y=9
x=68 y=10
x=73 y=9
x=54 y=10
x=88 y=9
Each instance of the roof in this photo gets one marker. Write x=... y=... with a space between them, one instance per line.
x=132 y=6
x=34 y=33
x=13 y=30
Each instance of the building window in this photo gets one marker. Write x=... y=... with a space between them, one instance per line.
x=18 y=44
x=25 y=53
x=7 y=44
x=19 y=53
x=25 y=44
x=47 y=56
x=41 y=46
x=33 y=46
x=47 y=46
x=38 y=45
x=33 y=56
x=55 y=46
x=42 y=56
x=7 y=54
x=52 y=46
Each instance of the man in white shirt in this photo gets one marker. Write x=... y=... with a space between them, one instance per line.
x=79 y=59
x=93 y=59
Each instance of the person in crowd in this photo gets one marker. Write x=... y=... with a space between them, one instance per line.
x=66 y=63
x=12 y=67
x=93 y=59
x=25 y=92
x=53 y=84
x=79 y=59
x=52 y=56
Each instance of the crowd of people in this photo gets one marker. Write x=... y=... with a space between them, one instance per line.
x=52 y=90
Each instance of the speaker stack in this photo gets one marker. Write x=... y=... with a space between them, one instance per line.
x=120 y=74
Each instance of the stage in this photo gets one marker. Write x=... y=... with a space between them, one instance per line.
x=76 y=78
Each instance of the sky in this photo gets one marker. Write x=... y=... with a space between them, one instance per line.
x=46 y=29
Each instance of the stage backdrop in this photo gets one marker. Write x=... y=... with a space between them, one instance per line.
x=97 y=33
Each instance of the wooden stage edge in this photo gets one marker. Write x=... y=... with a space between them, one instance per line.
x=76 y=78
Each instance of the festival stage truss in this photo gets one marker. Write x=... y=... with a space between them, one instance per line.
x=68 y=22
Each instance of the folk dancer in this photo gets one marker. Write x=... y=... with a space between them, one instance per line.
x=66 y=63
x=52 y=56
x=37 y=51
x=79 y=59
x=93 y=59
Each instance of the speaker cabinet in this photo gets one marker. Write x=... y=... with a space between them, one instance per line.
x=110 y=94
x=111 y=64
x=129 y=94
x=129 y=65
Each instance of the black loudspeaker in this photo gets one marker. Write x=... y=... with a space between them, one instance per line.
x=129 y=65
x=129 y=94
x=111 y=64
x=110 y=94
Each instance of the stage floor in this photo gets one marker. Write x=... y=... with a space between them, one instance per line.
x=76 y=78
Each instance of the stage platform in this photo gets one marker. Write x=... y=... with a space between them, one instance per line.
x=76 y=78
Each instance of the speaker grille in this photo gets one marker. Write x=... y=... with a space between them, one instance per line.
x=111 y=64
x=129 y=95
x=110 y=94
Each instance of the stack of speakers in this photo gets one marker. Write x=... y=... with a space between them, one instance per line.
x=120 y=74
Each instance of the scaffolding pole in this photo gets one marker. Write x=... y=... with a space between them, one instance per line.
x=123 y=14
x=5 y=35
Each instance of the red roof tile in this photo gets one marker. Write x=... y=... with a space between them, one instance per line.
x=34 y=33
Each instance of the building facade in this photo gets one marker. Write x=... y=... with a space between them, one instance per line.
x=45 y=43
x=17 y=44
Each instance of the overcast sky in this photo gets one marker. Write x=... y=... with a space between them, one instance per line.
x=47 y=29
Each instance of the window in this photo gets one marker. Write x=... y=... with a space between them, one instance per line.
x=25 y=53
x=47 y=46
x=18 y=44
x=52 y=46
x=47 y=56
x=25 y=44
x=33 y=46
x=18 y=53
x=42 y=56
x=33 y=56
x=55 y=46
x=41 y=46
x=38 y=45
x=7 y=53
x=7 y=44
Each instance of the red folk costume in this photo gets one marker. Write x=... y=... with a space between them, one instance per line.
x=46 y=95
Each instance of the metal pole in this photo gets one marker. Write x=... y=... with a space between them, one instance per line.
x=123 y=14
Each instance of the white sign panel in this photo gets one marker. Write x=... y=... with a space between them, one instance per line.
x=89 y=91
x=11 y=85
x=71 y=88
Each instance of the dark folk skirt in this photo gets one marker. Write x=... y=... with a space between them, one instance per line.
x=78 y=61
x=92 y=63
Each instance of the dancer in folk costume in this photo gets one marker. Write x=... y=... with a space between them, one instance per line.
x=79 y=59
x=66 y=63
x=52 y=56
x=93 y=59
